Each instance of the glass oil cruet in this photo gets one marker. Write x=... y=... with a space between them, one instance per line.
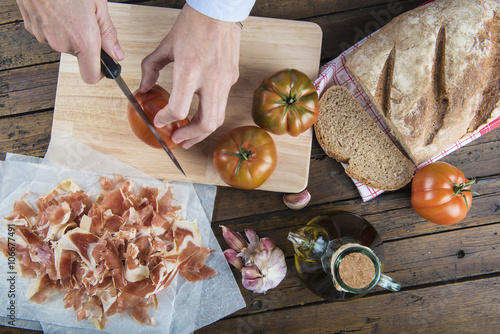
x=309 y=242
x=325 y=242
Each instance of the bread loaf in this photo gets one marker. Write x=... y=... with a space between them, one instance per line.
x=348 y=134
x=433 y=73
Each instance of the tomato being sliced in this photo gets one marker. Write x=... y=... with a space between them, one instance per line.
x=441 y=194
x=286 y=101
x=153 y=101
x=245 y=157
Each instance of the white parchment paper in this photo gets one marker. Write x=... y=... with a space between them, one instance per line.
x=183 y=307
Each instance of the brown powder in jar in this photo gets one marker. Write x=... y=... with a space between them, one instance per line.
x=356 y=270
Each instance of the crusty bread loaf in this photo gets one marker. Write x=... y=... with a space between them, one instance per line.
x=433 y=73
x=348 y=134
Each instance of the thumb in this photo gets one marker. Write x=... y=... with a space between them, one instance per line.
x=109 y=36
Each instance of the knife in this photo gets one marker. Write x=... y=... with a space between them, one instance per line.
x=112 y=70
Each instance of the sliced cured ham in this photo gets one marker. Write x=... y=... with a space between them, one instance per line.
x=23 y=210
x=140 y=310
x=41 y=288
x=110 y=254
x=39 y=251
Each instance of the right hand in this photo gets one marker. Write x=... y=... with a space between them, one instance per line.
x=80 y=28
x=205 y=54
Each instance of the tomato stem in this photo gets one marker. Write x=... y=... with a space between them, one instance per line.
x=289 y=101
x=242 y=155
x=460 y=188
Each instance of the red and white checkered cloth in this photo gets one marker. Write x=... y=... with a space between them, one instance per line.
x=334 y=73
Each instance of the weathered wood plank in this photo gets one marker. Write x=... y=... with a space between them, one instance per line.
x=286 y=9
x=450 y=273
x=19 y=48
x=27 y=134
x=9 y=12
x=328 y=182
x=392 y=215
x=28 y=89
x=412 y=260
x=339 y=30
x=234 y=203
x=289 y=9
x=459 y=307
x=342 y=30
x=419 y=261
x=392 y=222
x=462 y=307
x=343 y=22
x=295 y=9
x=158 y=3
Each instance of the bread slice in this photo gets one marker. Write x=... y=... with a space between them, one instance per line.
x=349 y=135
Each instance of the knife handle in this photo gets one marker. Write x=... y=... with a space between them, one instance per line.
x=110 y=68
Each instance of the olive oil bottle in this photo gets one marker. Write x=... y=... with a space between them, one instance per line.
x=317 y=241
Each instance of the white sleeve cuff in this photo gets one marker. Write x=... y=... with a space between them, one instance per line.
x=224 y=10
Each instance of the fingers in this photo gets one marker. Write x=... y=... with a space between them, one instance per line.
x=209 y=117
x=153 y=64
x=87 y=47
x=109 y=36
x=181 y=96
x=81 y=31
x=150 y=73
x=89 y=63
x=31 y=24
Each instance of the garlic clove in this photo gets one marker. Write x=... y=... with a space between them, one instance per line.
x=252 y=279
x=254 y=284
x=233 y=258
x=297 y=201
x=267 y=244
x=251 y=272
x=233 y=239
x=253 y=246
x=252 y=236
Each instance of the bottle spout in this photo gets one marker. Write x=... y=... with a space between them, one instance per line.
x=298 y=241
x=309 y=243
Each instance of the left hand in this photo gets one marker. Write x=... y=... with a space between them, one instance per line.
x=205 y=54
x=80 y=28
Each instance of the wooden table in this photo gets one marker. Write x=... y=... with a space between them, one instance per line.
x=450 y=275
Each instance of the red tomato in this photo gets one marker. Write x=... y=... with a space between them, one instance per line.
x=286 y=102
x=152 y=101
x=441 y=194
x=245 y=157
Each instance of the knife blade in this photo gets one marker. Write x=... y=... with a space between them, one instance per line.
x=112 y=70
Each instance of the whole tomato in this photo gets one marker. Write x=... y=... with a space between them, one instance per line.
x=441 y=194
x=152 y=101
x=286 y=102
x=245 y=157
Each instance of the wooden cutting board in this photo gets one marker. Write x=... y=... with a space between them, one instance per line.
x=96 y=114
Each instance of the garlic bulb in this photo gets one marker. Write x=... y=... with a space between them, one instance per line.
x=261 y=263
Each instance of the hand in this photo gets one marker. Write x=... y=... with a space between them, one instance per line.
x=205 y=54
x=80 y=28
